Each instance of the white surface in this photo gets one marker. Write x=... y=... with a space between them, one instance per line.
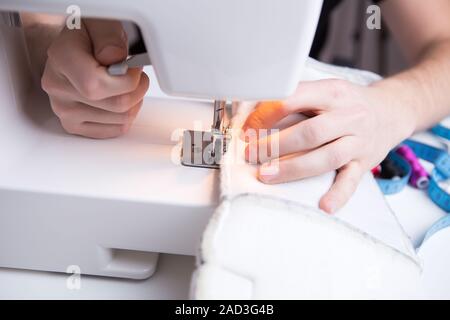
x=52 y=185
x=88 y=198
x=138 y=166
x=436 y=255
x=415 y=211
x=170 y=281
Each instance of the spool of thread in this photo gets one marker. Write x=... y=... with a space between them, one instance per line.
x=376 y=171
x=419 y=176
x=390 y=171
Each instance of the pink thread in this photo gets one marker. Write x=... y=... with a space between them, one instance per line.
x=376 y=171
x=419 y=176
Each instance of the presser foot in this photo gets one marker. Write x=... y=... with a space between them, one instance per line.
x=203 y=149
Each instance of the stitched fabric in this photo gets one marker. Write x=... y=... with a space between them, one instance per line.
x=272 y=241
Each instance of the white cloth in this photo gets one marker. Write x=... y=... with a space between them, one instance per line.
x=272 y=241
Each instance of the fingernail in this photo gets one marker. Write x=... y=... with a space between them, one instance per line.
x=270 y=168
x=265 y=178
x=268 y=171
x=331 y=207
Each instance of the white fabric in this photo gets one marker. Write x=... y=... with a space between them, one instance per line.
x=434 y=251
x=267 y=241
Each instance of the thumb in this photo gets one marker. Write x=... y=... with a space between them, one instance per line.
x=109 y=40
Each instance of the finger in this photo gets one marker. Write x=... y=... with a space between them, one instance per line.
x=63 y=90
x=109 y=40
x=123 y=102
x=77 y=112
x=71 y=56
x=55 y=84
x=101 y=130
x=324 y=159
x=345 y=184
x=316 y=95
x=305 y=135
x=95 y=130
x=265 y=115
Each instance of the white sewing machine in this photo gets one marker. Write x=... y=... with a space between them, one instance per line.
x=111 y=206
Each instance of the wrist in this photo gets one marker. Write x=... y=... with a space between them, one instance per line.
x=398 y=113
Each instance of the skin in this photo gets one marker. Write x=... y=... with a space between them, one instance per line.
x=87 y=100
x=352 y=128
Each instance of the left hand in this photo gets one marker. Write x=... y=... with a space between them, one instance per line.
x=351 y=130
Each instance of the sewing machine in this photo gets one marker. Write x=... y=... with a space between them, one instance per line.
x=111 y=206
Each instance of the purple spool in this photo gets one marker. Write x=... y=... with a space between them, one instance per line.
x=419 y=176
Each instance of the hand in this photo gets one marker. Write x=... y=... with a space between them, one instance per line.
x=87 y=100
x=351 y=129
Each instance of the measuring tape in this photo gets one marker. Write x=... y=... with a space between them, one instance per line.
x=439 y=181
x=441 y=131
x=440 y=173
x=437 y=226
x=392 y=186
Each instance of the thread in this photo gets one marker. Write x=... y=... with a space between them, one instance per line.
x=390 y=171
x=376 y=171
x=419 y=176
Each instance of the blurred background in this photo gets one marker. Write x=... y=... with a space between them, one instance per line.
x=351 y=43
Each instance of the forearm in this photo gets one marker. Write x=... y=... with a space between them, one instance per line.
x=40 y=30
x=422 y=93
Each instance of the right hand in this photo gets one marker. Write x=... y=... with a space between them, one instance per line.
x=87 y=100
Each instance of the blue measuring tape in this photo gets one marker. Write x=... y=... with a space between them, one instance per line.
x=441 y=131
x=392 y=186
x=441 y=160
x=437 y=226
x=441 y=172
